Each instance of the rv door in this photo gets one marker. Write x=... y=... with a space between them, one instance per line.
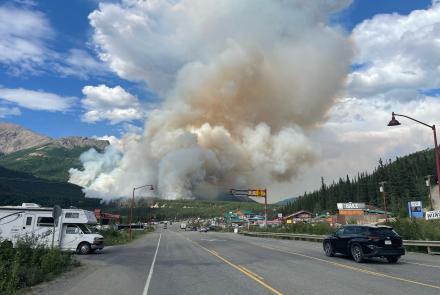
x=71 y=236
x=28 y=224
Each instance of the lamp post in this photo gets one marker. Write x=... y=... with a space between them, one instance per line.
x=382 y=190
x=428 y=184
x=132 y=205
x=394 y=122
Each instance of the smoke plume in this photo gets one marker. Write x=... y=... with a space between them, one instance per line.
x=242 y=84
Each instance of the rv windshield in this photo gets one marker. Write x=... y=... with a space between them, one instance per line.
x=85 y=229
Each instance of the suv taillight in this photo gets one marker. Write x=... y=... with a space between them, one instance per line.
x=373 y=238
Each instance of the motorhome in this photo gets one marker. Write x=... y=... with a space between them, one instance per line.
x=70 y=231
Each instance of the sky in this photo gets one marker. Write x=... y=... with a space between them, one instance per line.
x=63 y=71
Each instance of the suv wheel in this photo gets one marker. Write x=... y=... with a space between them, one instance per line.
x=393 y=259
x=357 y=253
x=84 y=248
x=328 y=249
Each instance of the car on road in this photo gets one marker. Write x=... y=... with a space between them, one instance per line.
x=365 y=241
x=203 y=229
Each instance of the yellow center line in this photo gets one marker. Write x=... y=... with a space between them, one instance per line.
x=373 y=273
x=248 y=273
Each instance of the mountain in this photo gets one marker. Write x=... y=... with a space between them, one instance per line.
x=42 y=156
x=405 y=181
x=18 y=187
x=14 y=138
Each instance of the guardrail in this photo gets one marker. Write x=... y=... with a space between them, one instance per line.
x=318 y=238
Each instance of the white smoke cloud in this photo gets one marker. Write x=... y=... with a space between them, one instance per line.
x=243 y=83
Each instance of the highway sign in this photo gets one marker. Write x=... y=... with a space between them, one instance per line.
x=257 y=192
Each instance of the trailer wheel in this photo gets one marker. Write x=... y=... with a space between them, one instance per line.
x=84 y=248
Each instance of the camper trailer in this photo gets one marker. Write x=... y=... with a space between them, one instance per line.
x=69 y=231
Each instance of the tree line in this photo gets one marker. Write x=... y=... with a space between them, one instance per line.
x=404 y=181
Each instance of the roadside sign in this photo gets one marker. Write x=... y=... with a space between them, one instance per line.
x=280 y=215
x=430 y=215
x=415 y=209
x=350 y=206
x=257 y=192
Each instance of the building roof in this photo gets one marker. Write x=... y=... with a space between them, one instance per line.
x=297 y=213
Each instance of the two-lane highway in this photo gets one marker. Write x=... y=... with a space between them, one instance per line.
x=173 y=261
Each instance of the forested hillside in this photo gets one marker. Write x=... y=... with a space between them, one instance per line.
x=405 y=181
x=17 y=187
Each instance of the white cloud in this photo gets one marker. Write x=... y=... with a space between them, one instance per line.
x=6 y=112
x=113 y=104
x=399 y=55
x=80 y=63
x=23 y=36
x=36 y=100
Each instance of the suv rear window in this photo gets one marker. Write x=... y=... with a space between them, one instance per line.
x=383 y=232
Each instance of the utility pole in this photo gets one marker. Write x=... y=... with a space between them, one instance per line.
x=265 y=208
x=382 y=190
x=428 y=184
x=132 y=205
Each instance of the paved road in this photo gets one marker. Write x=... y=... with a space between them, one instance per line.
x=220 y=263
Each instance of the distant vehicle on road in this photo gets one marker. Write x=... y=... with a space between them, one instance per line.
x=69 y=231
x=365 y=241
x=203 y=229
x=183 y=225
x=165 y=226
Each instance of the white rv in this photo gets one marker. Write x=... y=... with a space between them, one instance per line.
x=71 y=232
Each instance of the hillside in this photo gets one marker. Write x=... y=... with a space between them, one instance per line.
x=44 y=157
x=181 y=209
x=17 y=187
x=405 y=181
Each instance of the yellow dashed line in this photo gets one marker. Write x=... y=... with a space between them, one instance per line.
x=242 y=269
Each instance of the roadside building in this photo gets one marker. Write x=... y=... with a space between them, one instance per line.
x=300 y=216
x=233 y=218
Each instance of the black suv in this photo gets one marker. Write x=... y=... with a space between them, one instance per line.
x=364 y=241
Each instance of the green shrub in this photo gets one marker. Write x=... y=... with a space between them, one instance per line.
x=28 y=264
x=117 y=237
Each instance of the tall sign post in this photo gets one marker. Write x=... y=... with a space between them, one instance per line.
x=253 y=193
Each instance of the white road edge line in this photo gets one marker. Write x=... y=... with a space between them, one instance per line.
x=150 y=274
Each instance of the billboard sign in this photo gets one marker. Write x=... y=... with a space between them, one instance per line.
x=415 y=209
x=351 y=206
x=430 y=215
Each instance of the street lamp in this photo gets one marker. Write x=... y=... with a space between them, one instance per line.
x=428 y=184
x=382 y=190
x=132 y=203
x=394 y=122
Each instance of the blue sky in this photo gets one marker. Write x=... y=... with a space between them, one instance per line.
x=71 y=30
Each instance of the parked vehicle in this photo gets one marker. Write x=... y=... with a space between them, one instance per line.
x=364 y=241
x=203 y=229
x=183 y=225
x=69 y=231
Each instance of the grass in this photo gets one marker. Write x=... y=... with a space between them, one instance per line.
x=119 y=237
x=28 y=264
